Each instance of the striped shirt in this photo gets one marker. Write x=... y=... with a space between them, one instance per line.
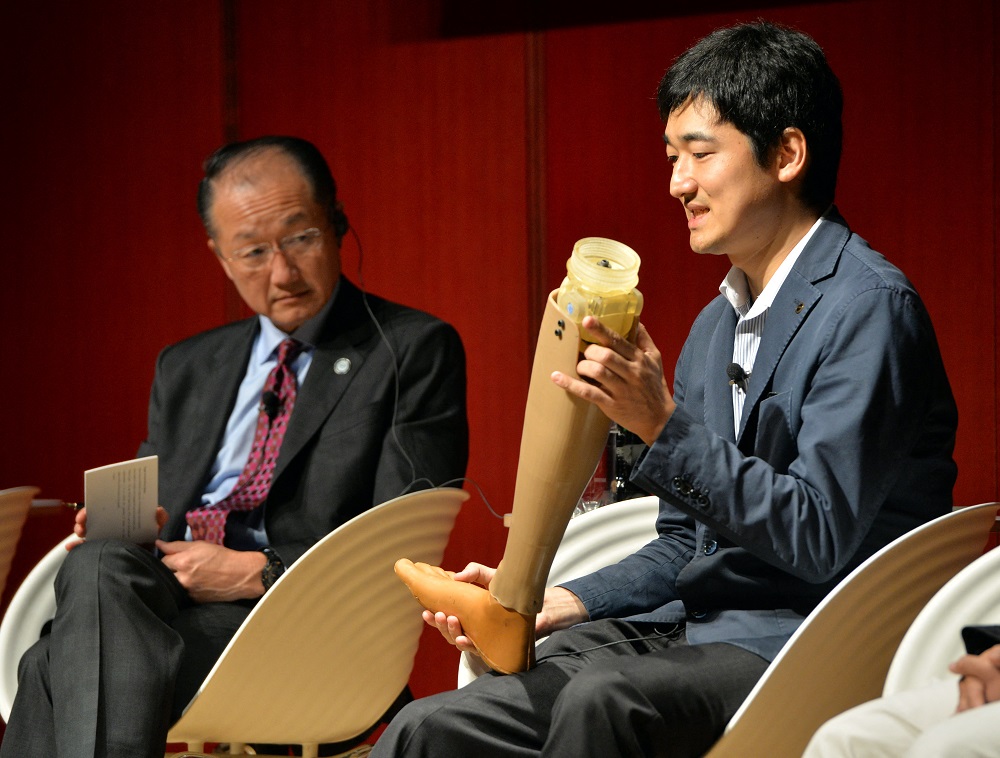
x=752 y=316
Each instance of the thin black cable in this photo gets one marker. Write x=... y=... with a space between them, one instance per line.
x=392 y=355
x=674 y=633
x=396 y=382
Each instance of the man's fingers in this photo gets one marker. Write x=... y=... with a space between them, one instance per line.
x=604 y=372
x=476 y=573
x=645 y=343
x=450 y=628
x=606 y=337
x=581 y=389
x=175 y=546
x=971 y=693
x=597 y=329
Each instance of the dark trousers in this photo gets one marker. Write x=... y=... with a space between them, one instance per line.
x=125 y=653
x=603 y=689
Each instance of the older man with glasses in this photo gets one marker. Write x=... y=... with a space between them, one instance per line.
x=271 y=432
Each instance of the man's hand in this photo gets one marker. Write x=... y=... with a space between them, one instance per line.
x=626 y=380
x=560 y=609
x=212 y=573
x=449 y=626
x=980 y=682
x=80 y=525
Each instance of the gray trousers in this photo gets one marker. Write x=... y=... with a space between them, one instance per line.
x=605 y=688
x=126 y=651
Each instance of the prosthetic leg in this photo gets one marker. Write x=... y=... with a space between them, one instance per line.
x=561 y=442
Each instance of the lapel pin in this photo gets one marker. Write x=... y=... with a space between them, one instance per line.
x=799 y=307
x=342 y=366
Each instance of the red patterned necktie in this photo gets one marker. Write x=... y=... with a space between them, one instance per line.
x=208 y=522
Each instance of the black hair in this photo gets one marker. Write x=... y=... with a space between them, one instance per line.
x=306 y=156
x=763 y=78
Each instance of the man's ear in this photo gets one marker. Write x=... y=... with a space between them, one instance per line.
x=225 y=264
x=792 y=155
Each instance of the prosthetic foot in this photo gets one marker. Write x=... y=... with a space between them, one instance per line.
x=505 y=639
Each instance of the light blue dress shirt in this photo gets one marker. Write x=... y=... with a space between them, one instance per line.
x=245 y=529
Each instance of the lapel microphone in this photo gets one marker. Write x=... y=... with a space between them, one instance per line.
x=737 y=376
x=269 y=403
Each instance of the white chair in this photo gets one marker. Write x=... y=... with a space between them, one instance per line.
x=326 y=652
x=32 y=606
x=592 y=540
x=840 y=654
x=971 y=597
x=14 y=506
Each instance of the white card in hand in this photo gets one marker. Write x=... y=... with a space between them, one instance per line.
x=121 y=500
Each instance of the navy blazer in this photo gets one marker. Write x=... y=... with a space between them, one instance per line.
x=845 y=443
x=340 y=455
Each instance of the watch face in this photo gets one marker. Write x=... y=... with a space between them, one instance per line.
x=273 y=569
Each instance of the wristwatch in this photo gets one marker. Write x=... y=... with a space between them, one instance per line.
x=274 y=568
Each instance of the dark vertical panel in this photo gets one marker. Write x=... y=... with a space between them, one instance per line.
x=995 y=89
x=110 y=110
x=427 y=141
x=536 y=211
x=917 y=183
x=229 y=39
x=230 y=72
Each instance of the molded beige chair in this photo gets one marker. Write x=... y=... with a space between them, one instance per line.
x=840 y=654
x=326 y=653
x=934 y=639
x=14 y=506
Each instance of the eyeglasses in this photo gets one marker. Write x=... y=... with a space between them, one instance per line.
x=294 y=246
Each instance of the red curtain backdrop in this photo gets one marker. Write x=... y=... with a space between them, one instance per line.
x=470 y=157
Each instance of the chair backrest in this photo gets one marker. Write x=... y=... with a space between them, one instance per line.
x=14 y=506
x=839 y=656
x=592 y=540
x=934 y=638
x=598 y=538
x=326 y=653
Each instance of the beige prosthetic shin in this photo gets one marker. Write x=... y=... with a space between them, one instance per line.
x=561 y=442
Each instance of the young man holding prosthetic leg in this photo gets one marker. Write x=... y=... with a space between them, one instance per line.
x=810 y=423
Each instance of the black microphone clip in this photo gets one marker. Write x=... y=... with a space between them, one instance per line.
x=269 y=403
x=737 y=376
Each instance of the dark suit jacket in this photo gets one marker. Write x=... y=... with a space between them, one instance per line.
x=339 y=456
x=845 y=443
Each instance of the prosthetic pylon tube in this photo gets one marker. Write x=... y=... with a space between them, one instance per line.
x=561 y=442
